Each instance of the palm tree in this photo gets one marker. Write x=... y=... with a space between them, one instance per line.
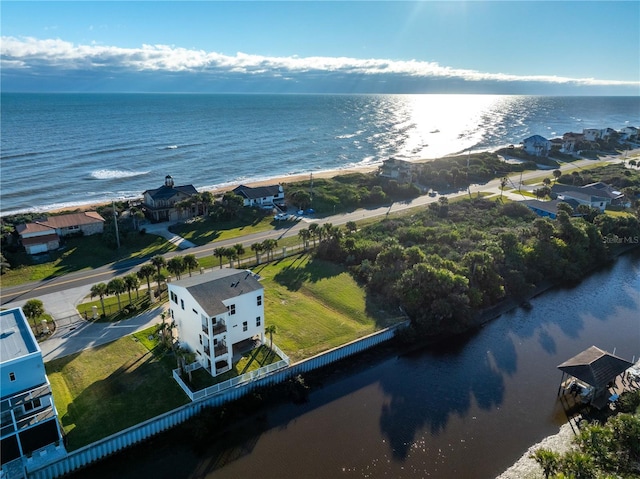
x=190 y=262
x=503 y=184
x=219 y=252
x=231 y=254
x=33 y=309
x=271 y=330
x=304 y=235
x=548 y=461
x=131 y=281
x=313 y=229
x=101 y=291
x=117 y=286
x=269 y=245
x=146 y=272
x=239 y=247
x=176 y=266
x=207 y=199
x=158 y=261
x=257 y=247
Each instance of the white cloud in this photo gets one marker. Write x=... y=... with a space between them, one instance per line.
x=29 y=53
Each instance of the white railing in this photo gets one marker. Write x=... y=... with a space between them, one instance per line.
x=238 y=387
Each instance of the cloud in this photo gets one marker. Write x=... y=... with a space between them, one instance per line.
x=27 y=55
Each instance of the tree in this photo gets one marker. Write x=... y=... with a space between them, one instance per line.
x=257 y=247
x=176 y=266
x=351 y=226
x=313 y=229
x=131 y=281
x=269 y=245
x=117 y=286
x=556 y=175
x=190 y=262
x=271 y=330
x=548 y=461
x=158 y=262
x=232 y=203
x=503 y=184
x=304 y=235
x=146 y=272
x=101 y=291
x=546 y=182
x=231 y=254
x=220 y=253
x=33 y=309
x=301 y=199
x=239 y=248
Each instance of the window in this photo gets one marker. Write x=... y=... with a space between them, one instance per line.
x=200 y=339
x=31 y=405
x=182 y=303
x=193 y=309
x=259 y=300
x=12 y=376
x=245 y=326
x=258 y=321
x=174 y=297
x=232 y=309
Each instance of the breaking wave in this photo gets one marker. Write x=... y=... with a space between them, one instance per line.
x=114 y=174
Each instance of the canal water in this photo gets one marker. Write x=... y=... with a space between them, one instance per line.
x=464 y=409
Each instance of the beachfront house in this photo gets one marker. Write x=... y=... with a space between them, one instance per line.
x=218 y=316
x=30 y=433
x=536 y=145
x=630 y=133
x=592 y=134
x=571 y=142
x=45 y=235
x=549 y=209
x=402 y=171
x=261 y=196
x=164 y=203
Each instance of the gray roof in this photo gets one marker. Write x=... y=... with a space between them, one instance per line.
x=166 y=192
x=549 y=206
x=16 y=338
x=595 y=367
x=211 y=289
x=258 y=192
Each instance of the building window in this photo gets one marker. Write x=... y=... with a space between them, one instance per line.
x=200 y=339
x=182 y=303
x=174 y=297
x=259 y=300
x=31 y=405
x=12 y=377
x=258 y=321
x=245 y=326
x=232 y=309
x=193 y=309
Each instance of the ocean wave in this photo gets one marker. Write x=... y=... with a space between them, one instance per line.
x=114 y=174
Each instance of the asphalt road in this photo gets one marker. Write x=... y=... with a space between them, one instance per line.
x=287 y=229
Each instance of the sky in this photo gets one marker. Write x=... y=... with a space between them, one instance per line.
x=499 y=47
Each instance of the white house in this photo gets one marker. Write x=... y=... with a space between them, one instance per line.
x=217 y=315
x=536 y=145
x=29 y=416
x=630 y=133
x=261 y=195
x=592 y=134
x=44 y=235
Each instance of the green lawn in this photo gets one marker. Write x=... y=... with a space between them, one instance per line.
x=78 y=254
x=316 y=306
x=103 y=390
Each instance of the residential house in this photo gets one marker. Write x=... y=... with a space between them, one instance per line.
x=591 y=134
x=44 y=235
x=630 y=133
x=399 y=170
x=262 y=196
x=30 y=431
x=162 y=204
x=549 y=208
x=571 y=142
x=218 y=315
x=596 y=195
x=536 y=145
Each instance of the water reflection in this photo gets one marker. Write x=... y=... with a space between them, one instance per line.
x=464 y=409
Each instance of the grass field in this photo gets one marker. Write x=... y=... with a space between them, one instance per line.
x=316 y=306
x=103 y=390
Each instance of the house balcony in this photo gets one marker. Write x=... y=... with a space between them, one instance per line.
x=220 y=350
x=219 y=328
x=205 y=329
x=207 y=351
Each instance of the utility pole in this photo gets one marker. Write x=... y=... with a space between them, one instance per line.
x=115 y=221
x=311 y=189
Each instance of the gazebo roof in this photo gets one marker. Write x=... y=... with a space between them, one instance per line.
x=595 y=366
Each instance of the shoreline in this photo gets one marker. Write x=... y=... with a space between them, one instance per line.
x=324 y=174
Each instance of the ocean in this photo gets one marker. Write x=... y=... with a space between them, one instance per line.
x=65 y=150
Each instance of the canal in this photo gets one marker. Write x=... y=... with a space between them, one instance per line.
x=463 y=409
